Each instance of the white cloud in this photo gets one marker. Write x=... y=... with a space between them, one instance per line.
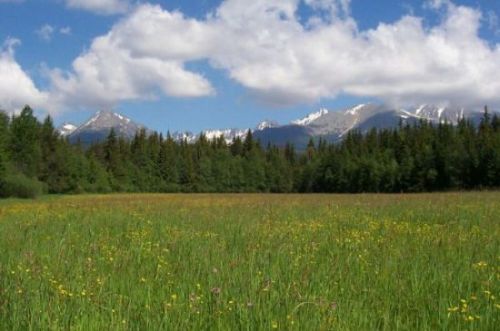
x=101 y=7
x=65 y=30
x=45 y=32
x=16 y=87
x=493 y=22
x=263 y=46
x=336 y=7
x=110 y=71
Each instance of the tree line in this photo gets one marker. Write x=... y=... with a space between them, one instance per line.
x=421 y=157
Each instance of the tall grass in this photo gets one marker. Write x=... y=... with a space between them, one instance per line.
x=251 y=262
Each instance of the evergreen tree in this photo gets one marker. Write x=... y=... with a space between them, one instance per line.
x=51 y=171
x=24 y=143
x=167 y=161
x=4 y=126
x=410 y=158
x=114 y=162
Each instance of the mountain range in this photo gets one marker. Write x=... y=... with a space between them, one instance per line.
x=330 y=125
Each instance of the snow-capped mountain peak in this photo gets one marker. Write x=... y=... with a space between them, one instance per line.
x=66 y=129
x=99 y=126
x=266 y=125
x=437 y=113
x=354 y=111
x=311 y=117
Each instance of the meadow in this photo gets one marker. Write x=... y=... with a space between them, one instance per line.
x=251 y=262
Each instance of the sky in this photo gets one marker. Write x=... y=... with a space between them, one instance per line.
x=190 y=65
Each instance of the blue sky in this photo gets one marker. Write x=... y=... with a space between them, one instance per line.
x=51 y=34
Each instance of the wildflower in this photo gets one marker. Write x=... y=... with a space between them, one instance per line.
x=480 y=265
x=174 y=297
x=275 y=325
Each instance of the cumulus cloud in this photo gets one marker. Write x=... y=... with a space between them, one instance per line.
x=101 y=7
x=65 y=30
x=493 y=22
x=16 y=87
x=111 y=71
x=45 y=32
x=263 y=46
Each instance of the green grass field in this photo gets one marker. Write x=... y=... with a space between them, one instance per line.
x=251 y=262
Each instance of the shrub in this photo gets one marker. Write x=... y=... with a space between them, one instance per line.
x=20 y=186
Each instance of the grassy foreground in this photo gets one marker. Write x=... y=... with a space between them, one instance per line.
x=251 y=262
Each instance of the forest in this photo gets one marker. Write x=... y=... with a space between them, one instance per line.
x=423 y=157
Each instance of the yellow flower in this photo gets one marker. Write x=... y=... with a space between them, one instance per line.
x=174 y=296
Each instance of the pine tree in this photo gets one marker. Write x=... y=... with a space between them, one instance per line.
x=248 y=143
x=237 y=147
x=167 y=161
x=311 y=150
x=24 y=143
x=186 y=167
x=4 y=126
x=50 y=167
x=115 y=164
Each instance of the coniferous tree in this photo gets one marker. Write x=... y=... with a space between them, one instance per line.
x=113 y=160
x=4 y=126
x=168 y=159
x=51 y=166
x=24 y=143
x=410 y=158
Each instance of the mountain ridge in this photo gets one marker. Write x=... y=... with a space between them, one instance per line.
x=330 y=125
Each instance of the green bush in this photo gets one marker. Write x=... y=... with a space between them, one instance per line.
x=20 y=186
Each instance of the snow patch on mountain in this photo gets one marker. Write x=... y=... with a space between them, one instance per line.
x=354 y=111
x=98 y=127
x=228 y=134
x=66 y=129
x=310 y=118
x=266 y=125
